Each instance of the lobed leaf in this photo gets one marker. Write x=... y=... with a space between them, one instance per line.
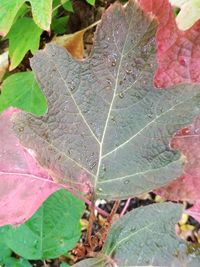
x=18 y=46
x=178 y=52
x=105 y=121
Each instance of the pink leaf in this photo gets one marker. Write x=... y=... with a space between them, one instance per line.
x=186 y=187
x=24 y=185
x=195 y=211
x=178 y=52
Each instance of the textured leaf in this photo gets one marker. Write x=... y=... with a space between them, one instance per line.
x=18 y=46
x=24 y=185
x=189 y=13
x=186 y=187
x=51 y=231
x=105 y=122
x=21 y=91
x=143 y=237
x=93 y=262
x=41 y=11
x=178 y=52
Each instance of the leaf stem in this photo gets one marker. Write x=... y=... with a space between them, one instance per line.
x=114 y=210
x=87 y=201
x=125 y=207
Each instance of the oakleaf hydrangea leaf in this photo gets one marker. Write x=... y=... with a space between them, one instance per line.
x=21 y=90
x=18 y=46
x=105 y=121
x=41 y=11
x=143 y=237
x=178 y=52
x=186 y=187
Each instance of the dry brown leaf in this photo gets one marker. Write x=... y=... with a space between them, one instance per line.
x=73 y=42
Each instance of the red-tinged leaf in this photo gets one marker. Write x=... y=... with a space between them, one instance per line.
x=178 y=52
x=195 y=211
x=24 y=185
x=186 y=187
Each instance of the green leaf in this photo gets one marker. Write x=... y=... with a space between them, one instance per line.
x=67 y=5
x=118 y=143
x=21 y=91
x=64 y=264
x=18 y=46
x=41 y=11
x=59 y=25
x=5 y=251
x=12 y=262
x=21 y=12
x=52 y=230
x=91 y=2
x=148 y=232
x=143 y=237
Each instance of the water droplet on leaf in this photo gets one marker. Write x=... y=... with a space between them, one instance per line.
x=121 y=95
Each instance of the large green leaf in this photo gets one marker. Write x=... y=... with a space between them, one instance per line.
x=52 y=230
x=106 y=124
x=23 y=36
x=21 y=91
x=41 y=11
x=143 y=237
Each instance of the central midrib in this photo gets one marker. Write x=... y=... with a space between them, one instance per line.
x=111 y=105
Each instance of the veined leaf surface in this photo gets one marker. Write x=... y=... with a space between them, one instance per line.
x=105 y=121
x=143 y=237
